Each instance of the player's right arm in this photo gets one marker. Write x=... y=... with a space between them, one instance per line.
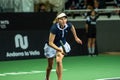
x=86 y=24
x=51 y=42
x=86 y=27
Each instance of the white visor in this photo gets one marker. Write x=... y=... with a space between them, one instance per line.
x=61 y=15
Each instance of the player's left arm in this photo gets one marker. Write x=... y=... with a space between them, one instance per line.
x=78 y=40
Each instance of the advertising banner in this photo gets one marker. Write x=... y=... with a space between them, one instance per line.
x=23 y=35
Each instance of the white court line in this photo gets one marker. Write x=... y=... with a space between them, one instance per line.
x=109 y=78
x=21 y=73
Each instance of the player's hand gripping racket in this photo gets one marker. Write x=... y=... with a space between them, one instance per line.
x=63 y=47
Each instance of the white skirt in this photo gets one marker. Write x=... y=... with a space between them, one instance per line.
x=50 y=52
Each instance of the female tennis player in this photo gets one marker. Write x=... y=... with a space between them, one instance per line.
x=53 y=48
x=91 y=31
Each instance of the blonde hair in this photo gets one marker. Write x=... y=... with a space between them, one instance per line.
x=55 y=20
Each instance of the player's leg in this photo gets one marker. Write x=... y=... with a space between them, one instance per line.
x=89 y=40
x=89 y=46
x=93 y=45
x=59 y=66
x=49 y=68
x=93 y=41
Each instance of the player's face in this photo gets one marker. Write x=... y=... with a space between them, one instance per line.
x=62 y=21
x=93 y=13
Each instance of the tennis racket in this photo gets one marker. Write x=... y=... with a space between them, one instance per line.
x=63 y=47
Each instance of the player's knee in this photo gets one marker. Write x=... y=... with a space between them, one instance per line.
x=59 y=61
x=49 y=67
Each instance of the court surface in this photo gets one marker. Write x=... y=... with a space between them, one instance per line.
x=75 y=68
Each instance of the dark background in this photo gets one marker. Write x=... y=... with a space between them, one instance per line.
x=36 y=27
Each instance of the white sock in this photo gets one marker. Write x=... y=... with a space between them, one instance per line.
x=89 y=50
x=93 y=50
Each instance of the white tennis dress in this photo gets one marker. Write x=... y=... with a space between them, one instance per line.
x=50 y=52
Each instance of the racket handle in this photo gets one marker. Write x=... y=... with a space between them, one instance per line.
x=63 y=47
